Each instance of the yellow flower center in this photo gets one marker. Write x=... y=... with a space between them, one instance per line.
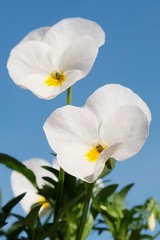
x=55 y=79
x=45 y=203
x=93 y=154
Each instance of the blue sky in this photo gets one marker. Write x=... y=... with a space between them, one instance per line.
x=130 y=56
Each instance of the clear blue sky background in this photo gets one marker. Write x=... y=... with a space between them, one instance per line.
x=131 y=57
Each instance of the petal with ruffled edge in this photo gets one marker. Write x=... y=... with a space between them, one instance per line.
x=69 y=30
x=20 y=184
x=110 y=96
x=127 y=125
x=36 y=35
x=79 y=56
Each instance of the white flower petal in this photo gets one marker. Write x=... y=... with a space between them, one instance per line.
x=36 y=35
x=100 y=163
x=79 y=56
x=68 y=125
x=110 y=96
x=55 y=165
x=65 y=32
x=41 y=90
x=36 y=84
x=31 y=57
x=35 y=164
x=72 y=76
x=72 y=159
x=21 y=184
x=128 y=125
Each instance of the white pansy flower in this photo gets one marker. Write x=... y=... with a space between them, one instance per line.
x=114 y=122
x=21 y=184
x=51 y=59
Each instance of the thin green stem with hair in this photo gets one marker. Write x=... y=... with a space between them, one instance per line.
x=85 y=211
x=60 y=186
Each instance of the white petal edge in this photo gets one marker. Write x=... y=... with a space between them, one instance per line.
x=68 y=125
x=20 y=184
x=80 y=56
x=31 y=57
x=127 y=124
x=72 y=160
x=69 y=30
x=37 y=85
x=112 y=96
x=36 y=35
x=35 y=164
x=101 y=161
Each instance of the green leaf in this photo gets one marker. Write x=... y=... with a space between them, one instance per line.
x=50 y=180
x=71 y=203
x=125 y=223
x=142 y=211
x=125 y=190
x=50 y=230
x=110 y=164
x=2 y=220
x=106 y=192
x=8 y=207
x=88 y=226
x=136 y=235
x=5 y=211
x=32 y=217
x=14 y=164
x=118 y=201
x=52 y=170
x=47 y=192
x=146 y=236
x=15 y=229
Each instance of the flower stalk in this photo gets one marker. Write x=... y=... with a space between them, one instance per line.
x=59 y=194
x=60 y=188
x=85 y=211
x=69 y=96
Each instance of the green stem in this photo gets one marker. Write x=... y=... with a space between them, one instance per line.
x=59 y=193
x=84 y=213
x=60 y=187
x=69 y=96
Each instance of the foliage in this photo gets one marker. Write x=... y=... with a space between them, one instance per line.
x=108 y=211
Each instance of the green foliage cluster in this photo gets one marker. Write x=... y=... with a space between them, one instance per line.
x=108 y=210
